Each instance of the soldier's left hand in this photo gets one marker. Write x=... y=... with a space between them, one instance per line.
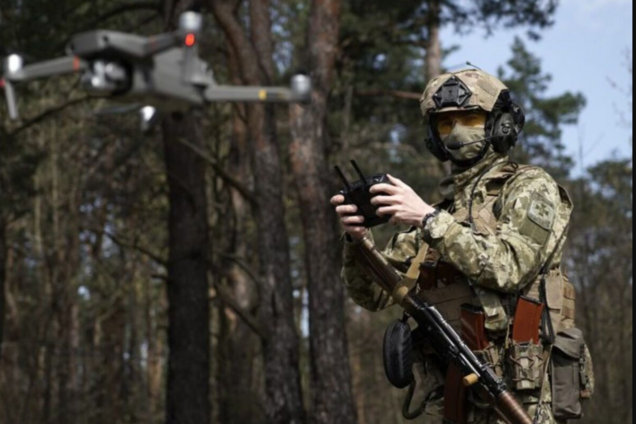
x=400 y=201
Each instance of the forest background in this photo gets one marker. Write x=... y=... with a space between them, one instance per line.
x=192 y=275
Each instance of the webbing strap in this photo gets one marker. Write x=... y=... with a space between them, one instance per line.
x=546 y=321
x=410 y=279
x=545 y=385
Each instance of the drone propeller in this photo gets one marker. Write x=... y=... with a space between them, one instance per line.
x=9 y=93
x=12 y=64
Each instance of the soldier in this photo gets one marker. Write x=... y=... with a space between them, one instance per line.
x=495 y=239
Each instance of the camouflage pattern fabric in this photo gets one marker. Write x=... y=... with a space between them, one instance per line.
x=518 y=220
x=485 y=89
x=531 y=214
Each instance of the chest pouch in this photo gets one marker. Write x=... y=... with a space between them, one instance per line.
x=572 y=374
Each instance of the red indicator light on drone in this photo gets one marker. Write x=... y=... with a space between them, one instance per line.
x=190 y=40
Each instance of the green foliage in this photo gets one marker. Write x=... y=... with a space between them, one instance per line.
x=17 y=166
x=614 y=182
x=512 y=13
x=599 y=262
x=541 y=140
x=40 y=29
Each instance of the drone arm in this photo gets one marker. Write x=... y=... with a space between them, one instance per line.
x=300 y=92
x=158 y=44
x=190 y=26
x=66 y=65
x=247 y=94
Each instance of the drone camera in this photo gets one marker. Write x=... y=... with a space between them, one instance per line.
x=105 y=78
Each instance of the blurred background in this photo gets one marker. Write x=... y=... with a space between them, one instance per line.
x=191 y=275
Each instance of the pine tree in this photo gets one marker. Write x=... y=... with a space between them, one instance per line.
x=545 y=115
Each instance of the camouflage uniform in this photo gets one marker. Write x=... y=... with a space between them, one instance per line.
x=520 y=215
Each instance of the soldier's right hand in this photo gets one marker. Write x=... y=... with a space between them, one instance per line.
x=351 y=223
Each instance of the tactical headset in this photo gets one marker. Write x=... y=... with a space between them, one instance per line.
x=503 y=125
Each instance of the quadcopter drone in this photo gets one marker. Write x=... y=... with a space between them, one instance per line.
x=163 y=72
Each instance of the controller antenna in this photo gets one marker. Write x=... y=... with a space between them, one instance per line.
x=362 y=177
x=343 y=178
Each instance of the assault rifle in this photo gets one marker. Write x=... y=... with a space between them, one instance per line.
x=447 y=344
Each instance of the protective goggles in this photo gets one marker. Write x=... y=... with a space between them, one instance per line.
x=445 y=122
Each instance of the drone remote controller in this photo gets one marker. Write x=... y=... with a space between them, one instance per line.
x=358 y=194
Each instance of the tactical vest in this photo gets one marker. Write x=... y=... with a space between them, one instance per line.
x=446 y=288
x=443 y=286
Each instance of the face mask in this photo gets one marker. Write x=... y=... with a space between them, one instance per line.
x=463 y=134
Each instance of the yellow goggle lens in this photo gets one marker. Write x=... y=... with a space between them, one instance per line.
x=445 y=122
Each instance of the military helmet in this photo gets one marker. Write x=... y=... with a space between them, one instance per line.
x=471 y=89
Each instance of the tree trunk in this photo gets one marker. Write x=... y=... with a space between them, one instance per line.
x=3 y=275
x=188 y=389
x=330 y=371
x=280 y=349
x=433 y=63
x=155 y=369
x=239 y=397
x=261 y=25
x=64 y=262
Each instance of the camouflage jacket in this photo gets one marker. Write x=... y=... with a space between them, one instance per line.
x=520 y=219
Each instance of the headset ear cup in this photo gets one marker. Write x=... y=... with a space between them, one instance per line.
x=504 y=134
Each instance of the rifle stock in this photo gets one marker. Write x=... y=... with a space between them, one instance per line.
x=445 y=341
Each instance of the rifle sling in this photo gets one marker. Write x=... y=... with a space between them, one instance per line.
x=410 y=279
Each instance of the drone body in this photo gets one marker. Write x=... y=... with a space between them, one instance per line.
x=163 y=72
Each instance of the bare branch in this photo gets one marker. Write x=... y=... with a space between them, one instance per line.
x=158 y=259
x=247 y=318
x=241 y=263
x=380 y=92
x=117 y=11
x=125 y=8
x=48 y=113
x=245 y=192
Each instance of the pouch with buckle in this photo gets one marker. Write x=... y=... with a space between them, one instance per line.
x=527 y=365
x=572 y=375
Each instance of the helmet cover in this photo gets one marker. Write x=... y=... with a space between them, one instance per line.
x=462 y=90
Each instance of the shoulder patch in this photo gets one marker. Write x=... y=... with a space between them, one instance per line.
x=541 y=211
